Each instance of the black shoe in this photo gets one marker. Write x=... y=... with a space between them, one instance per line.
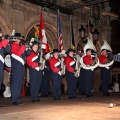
x=74 y=97
x=44 y=95
x=17 y=103
x=82 y=93
x=89 y=96
x=33 y=100
x=56 y=98
x=70 y=97
x=38 y=100
x=107 y=94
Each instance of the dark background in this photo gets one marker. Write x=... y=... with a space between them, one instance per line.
x=115 y=37
x=115 y=24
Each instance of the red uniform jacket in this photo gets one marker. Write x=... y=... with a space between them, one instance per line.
x=3 y=43
x=103 y=59
x=54 y=64
x=31 y=59
x=17 y=49
x=69 y=62
x=87 y=60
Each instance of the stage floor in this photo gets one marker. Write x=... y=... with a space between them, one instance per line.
x=82 y=108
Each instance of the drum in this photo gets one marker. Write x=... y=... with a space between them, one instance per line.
x=8 y=60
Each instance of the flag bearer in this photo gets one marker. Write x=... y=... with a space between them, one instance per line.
x=33 y=61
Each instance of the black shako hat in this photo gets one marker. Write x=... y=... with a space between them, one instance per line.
x=70 y=50
x=88 y=50
x=56 y=50
x=17 y=35
x=93 y=52
x=34 y=43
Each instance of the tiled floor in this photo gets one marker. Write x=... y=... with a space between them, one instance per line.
x=82 y=108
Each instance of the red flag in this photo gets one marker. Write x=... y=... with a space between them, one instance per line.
x=42 y=35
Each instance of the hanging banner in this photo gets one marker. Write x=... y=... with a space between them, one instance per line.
x=95 y=14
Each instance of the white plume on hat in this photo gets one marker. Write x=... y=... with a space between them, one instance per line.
x=89 y=45
x=106 y=46
x=13 y=33
x=31 y=41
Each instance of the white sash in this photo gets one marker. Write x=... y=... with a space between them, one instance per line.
x=57 y=64
x=72 y=63
x=18 y=58
x=33 y=59
x=1 y=58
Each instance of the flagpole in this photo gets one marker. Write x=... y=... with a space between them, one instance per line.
x=57 y=28
x=70 y=32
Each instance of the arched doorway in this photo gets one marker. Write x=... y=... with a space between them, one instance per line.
x=4 y=26
x=51 y=38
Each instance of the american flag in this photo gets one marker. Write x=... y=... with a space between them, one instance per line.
x=60 y=39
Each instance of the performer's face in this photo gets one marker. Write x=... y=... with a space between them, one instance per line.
x=35 y=47
x=56 y=54
x=104 y=52
x=18 y=41
x=71 y=54
x=89 y=52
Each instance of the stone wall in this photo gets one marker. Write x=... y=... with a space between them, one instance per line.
x=22 y=16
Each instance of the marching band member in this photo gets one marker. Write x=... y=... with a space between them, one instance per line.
x=105 y=71
x=3 y=44
x=88 y=74
x=45 y=87
x=55 y=74
x=89 y=62
x=70 y=69
x=33 y=61
x=17 y=67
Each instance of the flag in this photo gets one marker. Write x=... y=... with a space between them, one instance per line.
x=60 y=39
x=42 y=35
x=36 y=33
x=72 y=37
x=90 y=30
